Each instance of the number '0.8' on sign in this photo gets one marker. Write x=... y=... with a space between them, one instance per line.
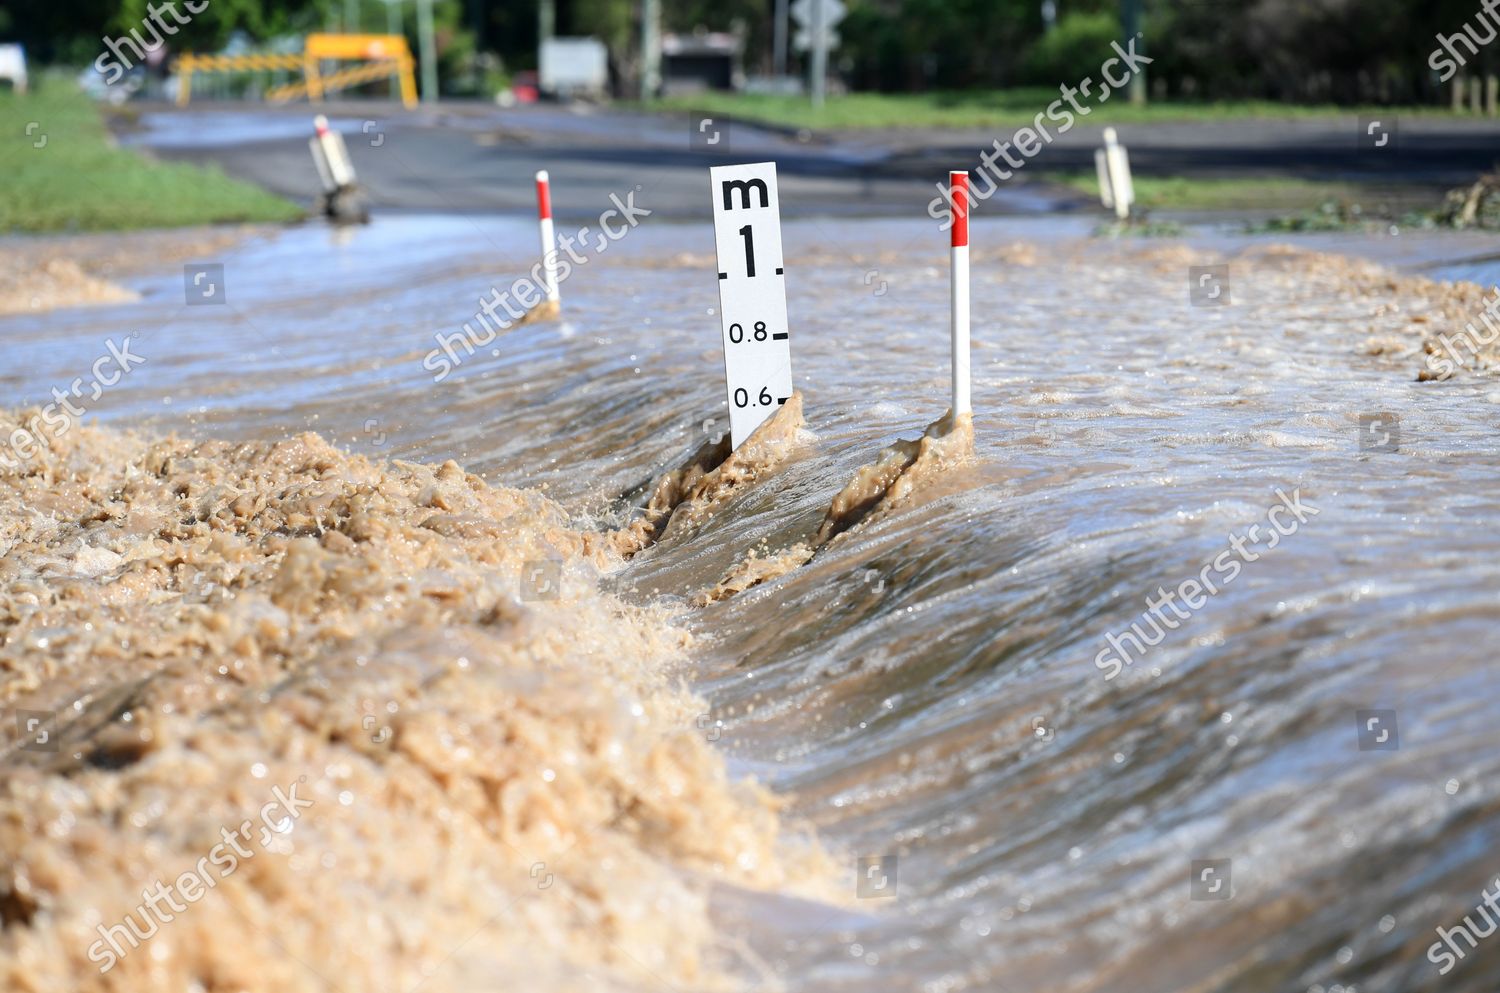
x=752 y=294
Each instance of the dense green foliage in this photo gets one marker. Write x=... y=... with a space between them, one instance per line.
x=1371 y=51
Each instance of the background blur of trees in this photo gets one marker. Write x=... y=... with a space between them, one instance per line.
x=1298 y=50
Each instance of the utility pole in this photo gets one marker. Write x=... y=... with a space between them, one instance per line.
x=778 y=40
x=392 y=16
x=819 y=52
x=650 y=49
x=546 y=22
x=1130 y=20
x=351 y=17
x=429 y=51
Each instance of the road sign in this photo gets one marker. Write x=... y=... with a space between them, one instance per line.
x=808 y=20
x=802 y=39
x=802 y=12
x=752 y=294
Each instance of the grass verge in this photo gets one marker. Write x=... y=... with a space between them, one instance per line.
x=1259 y=193
x=62 y=173
x=983 y=109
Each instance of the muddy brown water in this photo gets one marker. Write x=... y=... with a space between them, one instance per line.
x=952 y=794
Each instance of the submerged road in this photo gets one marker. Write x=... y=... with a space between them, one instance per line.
x=476 y=157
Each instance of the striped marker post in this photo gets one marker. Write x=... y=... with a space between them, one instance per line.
x=958 y=192
x=544 y=226
x=331 y=157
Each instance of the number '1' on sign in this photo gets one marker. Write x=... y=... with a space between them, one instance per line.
x=752 y=294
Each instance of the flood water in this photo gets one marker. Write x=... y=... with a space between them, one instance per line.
x=927 y=693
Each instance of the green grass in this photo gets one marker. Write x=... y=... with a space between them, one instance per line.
x=1178 y=193
x=78 y=181
x=982 y=108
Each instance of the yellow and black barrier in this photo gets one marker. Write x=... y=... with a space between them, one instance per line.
x=384 y=54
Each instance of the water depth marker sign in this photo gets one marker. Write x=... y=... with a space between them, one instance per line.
x=752 y=294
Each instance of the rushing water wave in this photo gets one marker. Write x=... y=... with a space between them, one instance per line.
x=996 y=809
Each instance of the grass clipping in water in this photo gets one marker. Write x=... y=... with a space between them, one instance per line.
x=875 y=492
x=503 y=781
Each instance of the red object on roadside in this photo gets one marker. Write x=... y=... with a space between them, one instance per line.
x=526 y=87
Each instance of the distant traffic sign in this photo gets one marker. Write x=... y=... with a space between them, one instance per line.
x=802 y=40
x=804 y=14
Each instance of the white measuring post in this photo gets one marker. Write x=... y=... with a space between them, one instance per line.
x=333 y=165
x=1121 y=188
x=958 y=192
x=320 y=159
x=544 y=226
x=752 y=294
x=1101 y=168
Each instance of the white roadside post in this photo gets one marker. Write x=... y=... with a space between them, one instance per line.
x=342 y=201
x=325 y=176
x=958 y=192
x=548 y=239
x=1101 y=168
x=320 y=156
x=1122 y=189
x=335 y=165
x=752 y=294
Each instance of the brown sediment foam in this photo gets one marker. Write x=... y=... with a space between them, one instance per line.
x=1407 y=315
x=1427 y=308
x=876 y=491
x=689 y=495
x=41 y=273
x=213 y=621
x=755 y=569
x=547 y=310
x=28 y=285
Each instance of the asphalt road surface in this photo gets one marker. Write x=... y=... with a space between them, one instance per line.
x=475 y=157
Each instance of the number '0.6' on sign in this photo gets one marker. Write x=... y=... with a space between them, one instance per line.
x=752 y=294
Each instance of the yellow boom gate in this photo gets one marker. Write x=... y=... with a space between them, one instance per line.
x=383 y=55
